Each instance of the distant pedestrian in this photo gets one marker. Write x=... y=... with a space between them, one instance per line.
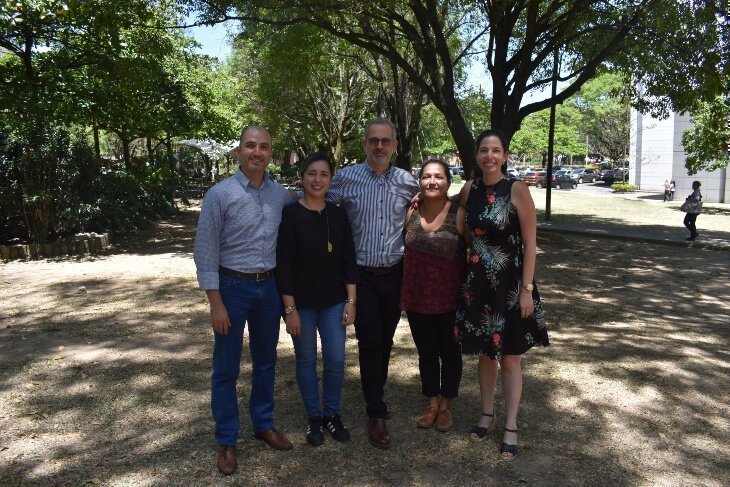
x=671 y=190
x=667 y=186
x=693 y=207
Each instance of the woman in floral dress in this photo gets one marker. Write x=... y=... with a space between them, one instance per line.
x=501 y=316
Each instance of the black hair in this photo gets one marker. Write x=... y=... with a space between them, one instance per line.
x=314 y=157
x=436 y=160
x=494 y=133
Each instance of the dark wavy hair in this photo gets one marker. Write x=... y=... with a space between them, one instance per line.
x=436 y=160
x=502 y=139
x=314 y=157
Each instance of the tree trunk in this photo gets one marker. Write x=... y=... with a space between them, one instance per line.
x=148 y=141
x=207 y=169
x=127 y=156
x=337 y=151
x=170 y=155
x=95 y=126
x=463 y=137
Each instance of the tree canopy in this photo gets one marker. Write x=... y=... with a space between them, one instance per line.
x=707 y=143
x=515 y=42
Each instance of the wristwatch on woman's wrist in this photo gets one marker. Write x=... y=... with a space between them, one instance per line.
x=289 y=310
x=529 y=286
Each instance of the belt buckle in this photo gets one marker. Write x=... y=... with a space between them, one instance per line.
x=261 y=276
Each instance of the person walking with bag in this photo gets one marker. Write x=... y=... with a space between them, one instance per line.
x=693 y=207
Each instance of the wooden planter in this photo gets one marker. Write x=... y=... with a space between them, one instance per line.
x=78 y=245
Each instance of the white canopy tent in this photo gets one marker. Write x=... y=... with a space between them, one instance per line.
x=211 y=148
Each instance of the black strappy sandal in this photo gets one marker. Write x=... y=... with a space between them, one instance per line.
x=478 y=433
x=509 y=449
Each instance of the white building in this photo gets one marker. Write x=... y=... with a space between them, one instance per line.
x=656 y=154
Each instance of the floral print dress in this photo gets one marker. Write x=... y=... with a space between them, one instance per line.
x=488 y=321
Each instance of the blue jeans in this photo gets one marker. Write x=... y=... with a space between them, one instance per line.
x=332 y=334
x=259 y=304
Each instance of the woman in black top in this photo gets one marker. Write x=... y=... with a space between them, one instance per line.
x=317 y=274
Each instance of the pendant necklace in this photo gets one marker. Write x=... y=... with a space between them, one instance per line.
x=327 y=217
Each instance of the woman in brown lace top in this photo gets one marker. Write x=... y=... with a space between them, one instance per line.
x=432 y=272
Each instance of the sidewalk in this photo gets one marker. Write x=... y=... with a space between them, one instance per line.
x=633 y=233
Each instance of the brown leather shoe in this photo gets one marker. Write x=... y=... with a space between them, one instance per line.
x=227 y=461
x=428 y=418
x=444 y=422
x=378 y=435
x=274 y=439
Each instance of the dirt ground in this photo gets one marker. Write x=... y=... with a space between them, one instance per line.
x=105 y=363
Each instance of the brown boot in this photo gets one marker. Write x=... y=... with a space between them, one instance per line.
x=444 y=422
x=428 y=418
x=227 y=461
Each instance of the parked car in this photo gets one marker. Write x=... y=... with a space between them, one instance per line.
x=457 y=171
x=563 y=181
x=611 y=176
x=529 y=178
x=581 y=175
x=591 y=175
x=540 y=177
x=575 y=173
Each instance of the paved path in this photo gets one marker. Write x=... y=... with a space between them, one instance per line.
x=637 y=232
x=634 y=233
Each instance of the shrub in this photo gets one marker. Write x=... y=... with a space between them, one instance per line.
x=623 y=187
x=456 y=179
x=51 y=186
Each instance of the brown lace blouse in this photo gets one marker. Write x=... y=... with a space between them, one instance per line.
x=433 y=266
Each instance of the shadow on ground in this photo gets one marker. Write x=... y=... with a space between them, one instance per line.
x=112 y=387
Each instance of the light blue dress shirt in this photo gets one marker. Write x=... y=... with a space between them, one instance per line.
x=238 y=227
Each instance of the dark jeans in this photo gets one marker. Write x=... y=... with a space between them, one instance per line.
x=689 y=222
x=257 y=303
x=378 y=313
x=439 y=355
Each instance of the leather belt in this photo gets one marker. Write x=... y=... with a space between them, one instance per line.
x=256 y=276
x=379 y=271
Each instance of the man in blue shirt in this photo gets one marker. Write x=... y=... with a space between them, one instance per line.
x=375 y=196
x=235 y=257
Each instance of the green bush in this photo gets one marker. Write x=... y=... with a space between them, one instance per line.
x=456 y=179
x=623 y=187
x=52 y=186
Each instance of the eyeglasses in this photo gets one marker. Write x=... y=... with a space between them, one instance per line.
x=374 y=141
